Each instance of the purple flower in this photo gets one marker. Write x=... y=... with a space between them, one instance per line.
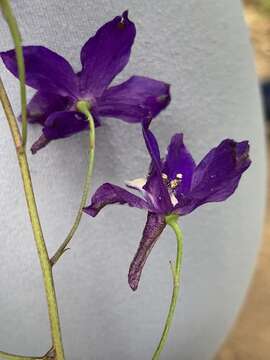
x=59 y=88
x=175 y=185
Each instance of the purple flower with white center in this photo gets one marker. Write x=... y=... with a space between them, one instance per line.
x=175 y=185
x=59 y=88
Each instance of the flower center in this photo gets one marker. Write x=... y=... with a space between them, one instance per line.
x=173 y=184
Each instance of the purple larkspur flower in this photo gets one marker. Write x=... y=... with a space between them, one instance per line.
x=175 y=185
x=59 y=88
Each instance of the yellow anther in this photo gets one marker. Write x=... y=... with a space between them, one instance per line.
x=174 y=183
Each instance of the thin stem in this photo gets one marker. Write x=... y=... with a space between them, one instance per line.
x=84 y=108
x=9 y=356
x=176 y=269
x=36 y=226
x=16 y=36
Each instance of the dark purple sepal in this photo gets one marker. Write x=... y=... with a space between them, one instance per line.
x=106 y=54
x=179 y=161
x=155 y=185
x=151 y=144
x=158 y=191
x=217 y=175
x=155 y=224
x=134 y=100
x=108 y=194
x=44 y=104
x=60 y=125
x=63 y=124
x=45 y=70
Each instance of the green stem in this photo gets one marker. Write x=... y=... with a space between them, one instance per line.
x=8 y=356
x=16 y=36
x=36 y=226
x=176 y=269
x=83 y=107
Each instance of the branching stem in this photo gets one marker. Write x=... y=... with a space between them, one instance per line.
x=36 y=226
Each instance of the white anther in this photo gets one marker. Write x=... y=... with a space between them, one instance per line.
x=164 y=176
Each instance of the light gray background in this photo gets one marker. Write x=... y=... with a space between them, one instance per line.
x=202 y=49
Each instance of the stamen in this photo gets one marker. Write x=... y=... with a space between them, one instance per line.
x=175 y=182
x=164 y=176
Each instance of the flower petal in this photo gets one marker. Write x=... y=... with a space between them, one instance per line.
x=44 y=104
x=217 y=175
x=63 y=124
x=106 y=54
x=155 y=224
x=155 y=185
x=179 y=161
x=134 y=100
x=157 y=191
x=108 y=194
x=151 y=144
x=45 y=70
x=59 y=125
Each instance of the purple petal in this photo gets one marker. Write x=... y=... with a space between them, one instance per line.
x=43 y=104
x=134 y=100
x=108 y=194
x=63 y=124
x=106 y=54
x=179 y=161
x=45 y=70
x=151 y=144
x=157 y=191
x=155 y=184
x=155 y=224
x=217 y=175
x=59 y=125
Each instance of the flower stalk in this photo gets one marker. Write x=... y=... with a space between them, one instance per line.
x=17 y=40
x=9 y=356
x=84 y=108
x=171 y=220
x=36 y=226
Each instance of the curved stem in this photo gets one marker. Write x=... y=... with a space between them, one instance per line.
x=36 y=227
x=176 y=269
x=84 y=108
x=9 y=356
x=16 y=36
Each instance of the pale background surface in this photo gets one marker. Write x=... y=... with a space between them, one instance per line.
x=247 y=341
x=202 y=48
